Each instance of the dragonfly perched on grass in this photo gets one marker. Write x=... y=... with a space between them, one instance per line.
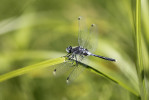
x=87 y=43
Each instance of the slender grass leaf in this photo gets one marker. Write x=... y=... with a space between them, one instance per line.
x=30 y=68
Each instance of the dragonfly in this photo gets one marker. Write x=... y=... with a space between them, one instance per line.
x=87 y=44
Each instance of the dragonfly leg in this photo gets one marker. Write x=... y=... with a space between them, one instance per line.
x=68 y=55
x=71 y=58
x=76 y=60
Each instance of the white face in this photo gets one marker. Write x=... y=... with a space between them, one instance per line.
x=68 y=49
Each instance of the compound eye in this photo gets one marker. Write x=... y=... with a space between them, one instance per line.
x=70 y=47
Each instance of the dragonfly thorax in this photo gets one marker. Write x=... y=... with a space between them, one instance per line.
x=77 y=50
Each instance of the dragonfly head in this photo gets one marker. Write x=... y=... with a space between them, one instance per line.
x=68 y=49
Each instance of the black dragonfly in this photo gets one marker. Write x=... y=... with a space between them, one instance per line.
x=87 y=41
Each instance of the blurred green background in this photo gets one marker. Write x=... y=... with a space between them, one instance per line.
x=36 y=30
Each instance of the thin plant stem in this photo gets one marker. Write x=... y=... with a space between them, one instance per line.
x=139 y=64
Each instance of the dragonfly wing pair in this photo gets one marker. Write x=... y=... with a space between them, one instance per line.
x=87 y=37
x=74 y=70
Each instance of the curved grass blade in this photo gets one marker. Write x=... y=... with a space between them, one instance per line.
x=30 y=68
x=130 y=89
x=56 y=61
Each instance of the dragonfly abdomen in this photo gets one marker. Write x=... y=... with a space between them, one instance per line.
x=105 y=58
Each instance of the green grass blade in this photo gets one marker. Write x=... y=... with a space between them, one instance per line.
x=30 y=68
x=59 y=60
x=131 y=90
x=139 y=62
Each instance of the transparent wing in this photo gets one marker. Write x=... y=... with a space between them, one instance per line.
x=75 y=73
x=92 y=40
x=62 y=68
x=87 y=38
x=83 y=32
x=75 y=70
